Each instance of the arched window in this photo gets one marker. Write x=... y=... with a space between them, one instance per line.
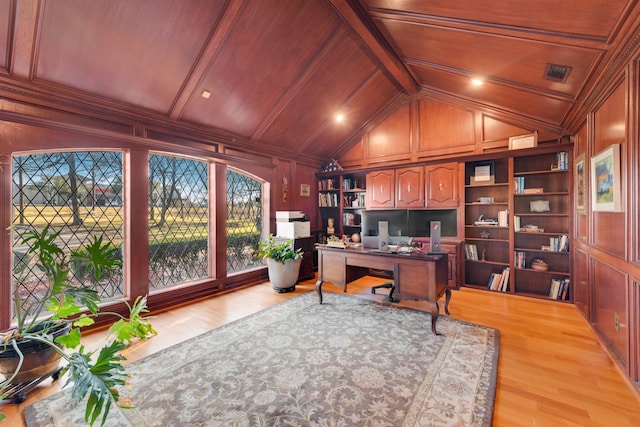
x=178 y=220
x=78 y=194
x=244 y=220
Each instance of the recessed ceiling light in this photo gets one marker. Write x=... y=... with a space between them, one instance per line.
x=339 y=117
x=205 y=94
x=477 y=82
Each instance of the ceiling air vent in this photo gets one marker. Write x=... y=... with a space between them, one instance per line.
x=557 y=73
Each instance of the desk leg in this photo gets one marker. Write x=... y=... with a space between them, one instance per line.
x=319 y=290
x=446 y=301
x=435 y=312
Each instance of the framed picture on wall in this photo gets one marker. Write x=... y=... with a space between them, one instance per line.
x=523 y=141
x=305 y=190
x=605 y=179
x=580 y=185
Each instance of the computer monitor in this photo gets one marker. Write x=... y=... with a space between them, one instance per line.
x=419 y=220
x=396 y=218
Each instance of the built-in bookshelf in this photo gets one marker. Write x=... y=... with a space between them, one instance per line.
x=486 y=222
x=541 y=213
x=517 y=223
x=341 y=197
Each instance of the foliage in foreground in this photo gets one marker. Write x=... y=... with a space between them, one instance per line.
x=91 y=376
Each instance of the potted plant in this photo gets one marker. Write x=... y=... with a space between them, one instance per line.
x=53 y=327
x=283 y=263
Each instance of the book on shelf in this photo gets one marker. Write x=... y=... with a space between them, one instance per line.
x=328 y=200
x=520 y=259
x=503 y=218
x=504 y=284
x=486 y=221
x=499 y=281
x=559 y=289
x=471 y=252
x=349 y=218
x=494 y=281
x=558 y=244
x=327 y=184
x=563 y=160
x=536 y=190
x=518 y=182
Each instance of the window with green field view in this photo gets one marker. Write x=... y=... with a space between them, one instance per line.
x=78 y=194
x=178 y=220
x=244 y=220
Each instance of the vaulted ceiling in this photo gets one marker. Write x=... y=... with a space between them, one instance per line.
x=278 y=71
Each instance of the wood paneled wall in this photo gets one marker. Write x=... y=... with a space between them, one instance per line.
x=26 y=128
x=605 y=245
x=430 y=127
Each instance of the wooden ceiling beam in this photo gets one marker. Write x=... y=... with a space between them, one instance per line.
x=26 y=16
x=390 y=62
x=203 y=63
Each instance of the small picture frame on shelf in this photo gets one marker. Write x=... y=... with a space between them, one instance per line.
x=483 y=173
x=581 y=185
x=605 y=179
x=523 y=141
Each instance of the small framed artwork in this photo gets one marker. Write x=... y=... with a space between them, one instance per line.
x=305 y=190
x=483 y=173
x=523 y=141
x=605 y=179
x=580 y=185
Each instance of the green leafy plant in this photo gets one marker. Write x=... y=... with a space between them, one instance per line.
x=92 y=375
x=280 y=252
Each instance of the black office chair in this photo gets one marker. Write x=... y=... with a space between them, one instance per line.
x=387 y=285
x=389 y=274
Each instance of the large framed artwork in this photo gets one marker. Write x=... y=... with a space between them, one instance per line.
x=580 y=185
x=605 y=180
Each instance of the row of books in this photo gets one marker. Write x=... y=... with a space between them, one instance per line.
x=563 y=160
x=349 y=218
x=518 y=182
x=499 y=281
x=558 y=244
x=328 y=184
x=520 y=259
x=355 y=200
x=559 y=289
x=328 y=200
x=471 y=252
x=350 y=184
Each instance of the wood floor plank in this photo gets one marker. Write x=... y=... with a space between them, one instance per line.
x=552 y=370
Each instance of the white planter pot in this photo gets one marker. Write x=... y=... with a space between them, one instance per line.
x=283 y=277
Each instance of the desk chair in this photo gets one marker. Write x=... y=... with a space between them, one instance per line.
x=386 y=285
x=406 y=244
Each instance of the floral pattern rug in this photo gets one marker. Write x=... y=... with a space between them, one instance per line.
x=347 y=362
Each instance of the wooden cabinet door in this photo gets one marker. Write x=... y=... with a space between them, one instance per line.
x=380 y=189
x=410 y=187
x=442 y=185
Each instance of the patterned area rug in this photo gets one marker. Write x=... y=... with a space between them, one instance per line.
x=344 y=363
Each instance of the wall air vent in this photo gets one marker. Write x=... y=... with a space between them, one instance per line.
x=557 y=73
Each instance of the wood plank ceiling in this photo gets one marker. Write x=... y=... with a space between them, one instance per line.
x=278 y=71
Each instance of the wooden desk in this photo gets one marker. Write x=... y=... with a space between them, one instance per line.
x=419 y=276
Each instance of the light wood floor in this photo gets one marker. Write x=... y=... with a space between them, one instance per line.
x=552 y=370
